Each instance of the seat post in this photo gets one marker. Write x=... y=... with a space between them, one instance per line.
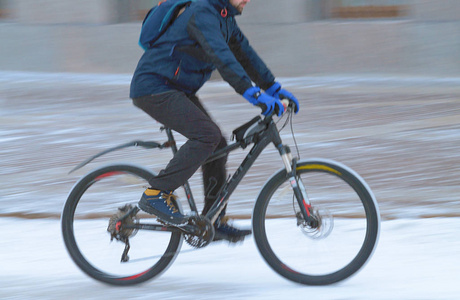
x=171 y=140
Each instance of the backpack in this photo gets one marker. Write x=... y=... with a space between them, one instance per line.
x=158 y=20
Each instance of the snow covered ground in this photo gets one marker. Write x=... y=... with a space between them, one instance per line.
x=401 y=135
x=415 y=259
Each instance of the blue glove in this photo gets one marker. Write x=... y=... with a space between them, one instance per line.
x=265 y=102
x=276 y=91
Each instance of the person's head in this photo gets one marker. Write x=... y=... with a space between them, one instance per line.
x=239 y=4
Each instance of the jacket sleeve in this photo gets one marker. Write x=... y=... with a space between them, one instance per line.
x=248 y=58
x=204 y=27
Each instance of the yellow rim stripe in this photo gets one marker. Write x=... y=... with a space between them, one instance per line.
x=319 y=167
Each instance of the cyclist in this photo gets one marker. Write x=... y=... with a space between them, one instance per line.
x=202 y=38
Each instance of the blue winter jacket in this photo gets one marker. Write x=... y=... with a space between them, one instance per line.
x=204 y=37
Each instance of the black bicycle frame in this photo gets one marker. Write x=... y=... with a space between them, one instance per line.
x=260 y=140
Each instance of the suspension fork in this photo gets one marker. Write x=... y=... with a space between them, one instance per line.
x=296 y=183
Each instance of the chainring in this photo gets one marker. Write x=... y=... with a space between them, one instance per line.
x=205 y=235
x=117 y=224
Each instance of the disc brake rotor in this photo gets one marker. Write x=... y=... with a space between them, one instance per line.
x=323 y=225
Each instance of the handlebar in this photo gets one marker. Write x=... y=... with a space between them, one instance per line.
x=288 y=107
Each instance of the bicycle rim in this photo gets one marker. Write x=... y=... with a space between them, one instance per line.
x=335 y=250
x=93 y=201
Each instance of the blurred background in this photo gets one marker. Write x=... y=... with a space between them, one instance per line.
x=295 y=37
x=379 y=83
x=361 y=67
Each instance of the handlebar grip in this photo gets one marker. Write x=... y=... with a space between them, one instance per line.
x=262 y=106
x=285 y=104
x=289 y=104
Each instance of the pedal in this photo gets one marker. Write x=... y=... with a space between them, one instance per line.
x=225 y=231
x=231 y=239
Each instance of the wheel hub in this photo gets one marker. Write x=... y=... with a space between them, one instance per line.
x=320 y=227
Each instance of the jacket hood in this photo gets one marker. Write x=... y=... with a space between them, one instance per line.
x=225 y=4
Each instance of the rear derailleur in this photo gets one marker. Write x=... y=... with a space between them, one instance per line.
x=122 y=227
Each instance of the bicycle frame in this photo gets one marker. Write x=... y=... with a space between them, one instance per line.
x=261 y=138
x=269 y=134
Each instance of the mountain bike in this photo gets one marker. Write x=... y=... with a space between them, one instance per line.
x=315 y=221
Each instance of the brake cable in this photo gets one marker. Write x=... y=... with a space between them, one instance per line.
x=289 y=119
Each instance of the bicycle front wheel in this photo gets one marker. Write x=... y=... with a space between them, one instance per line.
x=344 y=238
x=91 y=207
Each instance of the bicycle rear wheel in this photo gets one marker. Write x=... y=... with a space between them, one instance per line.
x=93 y=201
x=348 y=224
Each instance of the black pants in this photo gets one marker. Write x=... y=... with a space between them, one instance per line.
x=187 y=116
